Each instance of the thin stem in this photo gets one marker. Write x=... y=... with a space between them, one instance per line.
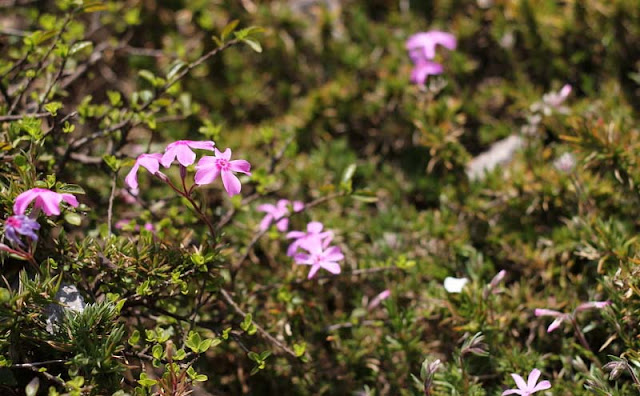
x=583 y=340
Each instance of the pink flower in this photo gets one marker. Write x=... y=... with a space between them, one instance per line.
x=181 y=150
x=422 y=46
x=278 y=213
x=527 y=388
x=320 y=256
x=561 y=317
x=47 y=200
x=150 y=162
x=120 y=224
x=424 y=69
x=210 y=167
x=379 y=298
x=314 y=231
x=555 y=99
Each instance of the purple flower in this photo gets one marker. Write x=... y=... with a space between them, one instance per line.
x=319 y=256
x=150 y=162
x=18 y=225
x=314 y=232
x=47 y=200
x=278 y=213
x=422 y=46
x=530 y=387
x=181 y=150
x=210 y=167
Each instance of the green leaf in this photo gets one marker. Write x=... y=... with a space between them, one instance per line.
x=145 y=381
x=134 y=338
x=94 y=6
x=32 y=387
x=175 y=69
x=77 y=47
x=156 y=351
x=299 y=349
x=115 y=98
x=193 y=341
x=112 y=162
x=147 y=75
x=73 y=218
x=53 y=107
x=71 y=189
x=254 y=45
x=228 y=29
x=246 y=322
x=205 y=345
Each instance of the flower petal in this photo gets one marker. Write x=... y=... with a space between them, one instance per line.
x=313 y=271
x=541 y=386
x=231 y=183
x=512 y=392
x=282 y=225
x=185 y=156
x=240 y=166
x=70 y=199
x=23 y=200
x=519 y=381
x=206 y=175
x=330 y=266
x=132 y=177
x=202 y=145
x=50 y=203
x=555 y=324
x=532 y=380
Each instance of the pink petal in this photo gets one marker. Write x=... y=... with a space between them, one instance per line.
x=282 y=225
x=423 y=70
x=532 y=380
x=541 y=386
x=512 y=392
x=547 y=312
x=332 y=267
x=206 y=161
x=132 y=177
x=70 y=199
x=295 y=234
x=240 y=166
x=231 y=183
x=168 y=157
x=149 y=162
x=334 y=254
x=266 y=222
x=519 y=381
x=314 y=227
x=23 y=200
x=226 y=154
x=49 y=203
x=298 y=206
x=185 y=156
x=202 y=145
x=444 y=39
x=206 y=176
x=313 y=271
x=555 y=324
x=267 y=208
x=592 y=305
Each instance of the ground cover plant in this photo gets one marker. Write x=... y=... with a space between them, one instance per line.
x=319 y=197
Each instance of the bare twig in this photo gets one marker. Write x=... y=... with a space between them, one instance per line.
x=21 y=116
x=261 y=330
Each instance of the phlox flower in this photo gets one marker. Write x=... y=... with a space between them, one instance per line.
x=18 y=225
x=181 y=150
x=555 y=99
x=530 y=387
x=47 y=200
x=422 y=46
x=313 y=235
x=278 y=213
x=210 y=167
x=319 y=256
x=150 y=162
x=455 y=285
x=424 y=69
x=379 y=298
x=422 y=49
x=561 y=316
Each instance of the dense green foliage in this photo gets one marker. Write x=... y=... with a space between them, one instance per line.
x=318 y=99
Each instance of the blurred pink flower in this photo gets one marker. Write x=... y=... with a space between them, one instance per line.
x=379 y=298
x=150 y=162
x=278 y=213
x=561 y=317
x=319 y=256
x=422 y=46
x=530 y=387
x=555 y=99
x=314 y=231
x=120 y=224
x=210 y=167
x=424 y=69
x=47 y=200
x=181 y=150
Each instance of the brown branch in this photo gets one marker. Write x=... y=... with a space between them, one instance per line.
x=16 y=117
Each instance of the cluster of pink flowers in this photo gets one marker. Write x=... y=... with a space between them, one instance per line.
x=422 y=51
x=311 y=247
x=207 y=169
